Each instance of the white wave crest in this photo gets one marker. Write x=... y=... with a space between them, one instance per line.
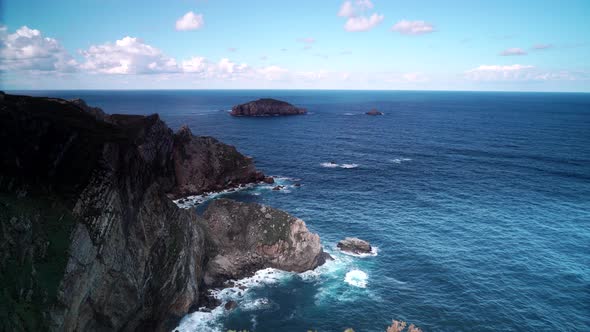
x=329 y=165
x=357 y=278
x=335 y=165
x=400 y=160
x=349 y=165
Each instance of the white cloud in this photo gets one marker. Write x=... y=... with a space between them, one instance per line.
x=195 y=65
x=356 y=18
x=190 y=21
x=346 y=10
x=27 y=49
x=513 y=51
x=127 y=56
x=362 y=23
x=500 y=72
x=412 y=27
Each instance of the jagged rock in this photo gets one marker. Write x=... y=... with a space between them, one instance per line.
x=374 y=112
x=230 y=305
x=354 y=245
x=276 y=188
x=269 y=180
x=204 y=164
x=266 y=107
x=246 y=237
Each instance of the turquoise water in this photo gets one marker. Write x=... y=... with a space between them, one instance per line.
x=479 y=204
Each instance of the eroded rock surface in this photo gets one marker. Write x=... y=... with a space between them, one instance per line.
x=246 y=237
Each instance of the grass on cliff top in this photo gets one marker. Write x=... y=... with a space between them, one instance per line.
x=33 y=259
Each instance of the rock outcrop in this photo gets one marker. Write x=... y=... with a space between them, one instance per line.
x=374 y=112
x=204 y=164
x=355 y=246
x=266 y=107
x=246 y=237
x=90 y=241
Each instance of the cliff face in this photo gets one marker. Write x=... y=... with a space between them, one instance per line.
x=90 y=240
x=87 y=226
x=205 y=164
x=266 y=107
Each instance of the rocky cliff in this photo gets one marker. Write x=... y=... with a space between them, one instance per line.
x=205 y=164
x=89 y=239
x=266 y=107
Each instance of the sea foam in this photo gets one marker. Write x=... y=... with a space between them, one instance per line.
x=357 y=278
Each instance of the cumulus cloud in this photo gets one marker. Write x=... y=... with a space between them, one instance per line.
x=354 y=11
x=28 y=49
x=362 y=23
x=190 y=21
x=406 y=27
x=513 y=51
x=195 y=65
x=129 y=55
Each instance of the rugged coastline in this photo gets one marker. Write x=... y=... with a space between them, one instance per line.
x=91 y=235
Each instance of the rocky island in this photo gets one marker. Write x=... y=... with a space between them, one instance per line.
x=355 y=246
x=90 y=239
x=266 y=107
x=374 y=112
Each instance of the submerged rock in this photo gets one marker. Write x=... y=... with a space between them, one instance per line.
x=266 y=107
x=247 y=237
x=230 y=305
x=354 y=245
x=374 y=112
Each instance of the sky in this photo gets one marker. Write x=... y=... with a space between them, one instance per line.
x=499 y=45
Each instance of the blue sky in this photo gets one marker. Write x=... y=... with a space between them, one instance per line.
x=523 y=45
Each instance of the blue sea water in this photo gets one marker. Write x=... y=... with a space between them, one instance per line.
x=478 y=202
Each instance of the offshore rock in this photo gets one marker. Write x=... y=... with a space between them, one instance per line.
x=266 y=107
x=354 y=245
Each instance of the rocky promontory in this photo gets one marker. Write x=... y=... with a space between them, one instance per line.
x=90 y=240
x=266 y=107
x=247 y=237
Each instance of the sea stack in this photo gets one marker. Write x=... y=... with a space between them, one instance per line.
x=374 y=112
x=266 y=107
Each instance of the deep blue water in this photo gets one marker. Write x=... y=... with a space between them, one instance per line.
x=479 y=204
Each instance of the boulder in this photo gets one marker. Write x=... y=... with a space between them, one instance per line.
x=354 y=245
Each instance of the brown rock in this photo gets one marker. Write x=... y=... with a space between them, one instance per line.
x=266 y=107
x=354 y=245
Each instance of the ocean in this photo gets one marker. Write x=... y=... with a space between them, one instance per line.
x=478 y=204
